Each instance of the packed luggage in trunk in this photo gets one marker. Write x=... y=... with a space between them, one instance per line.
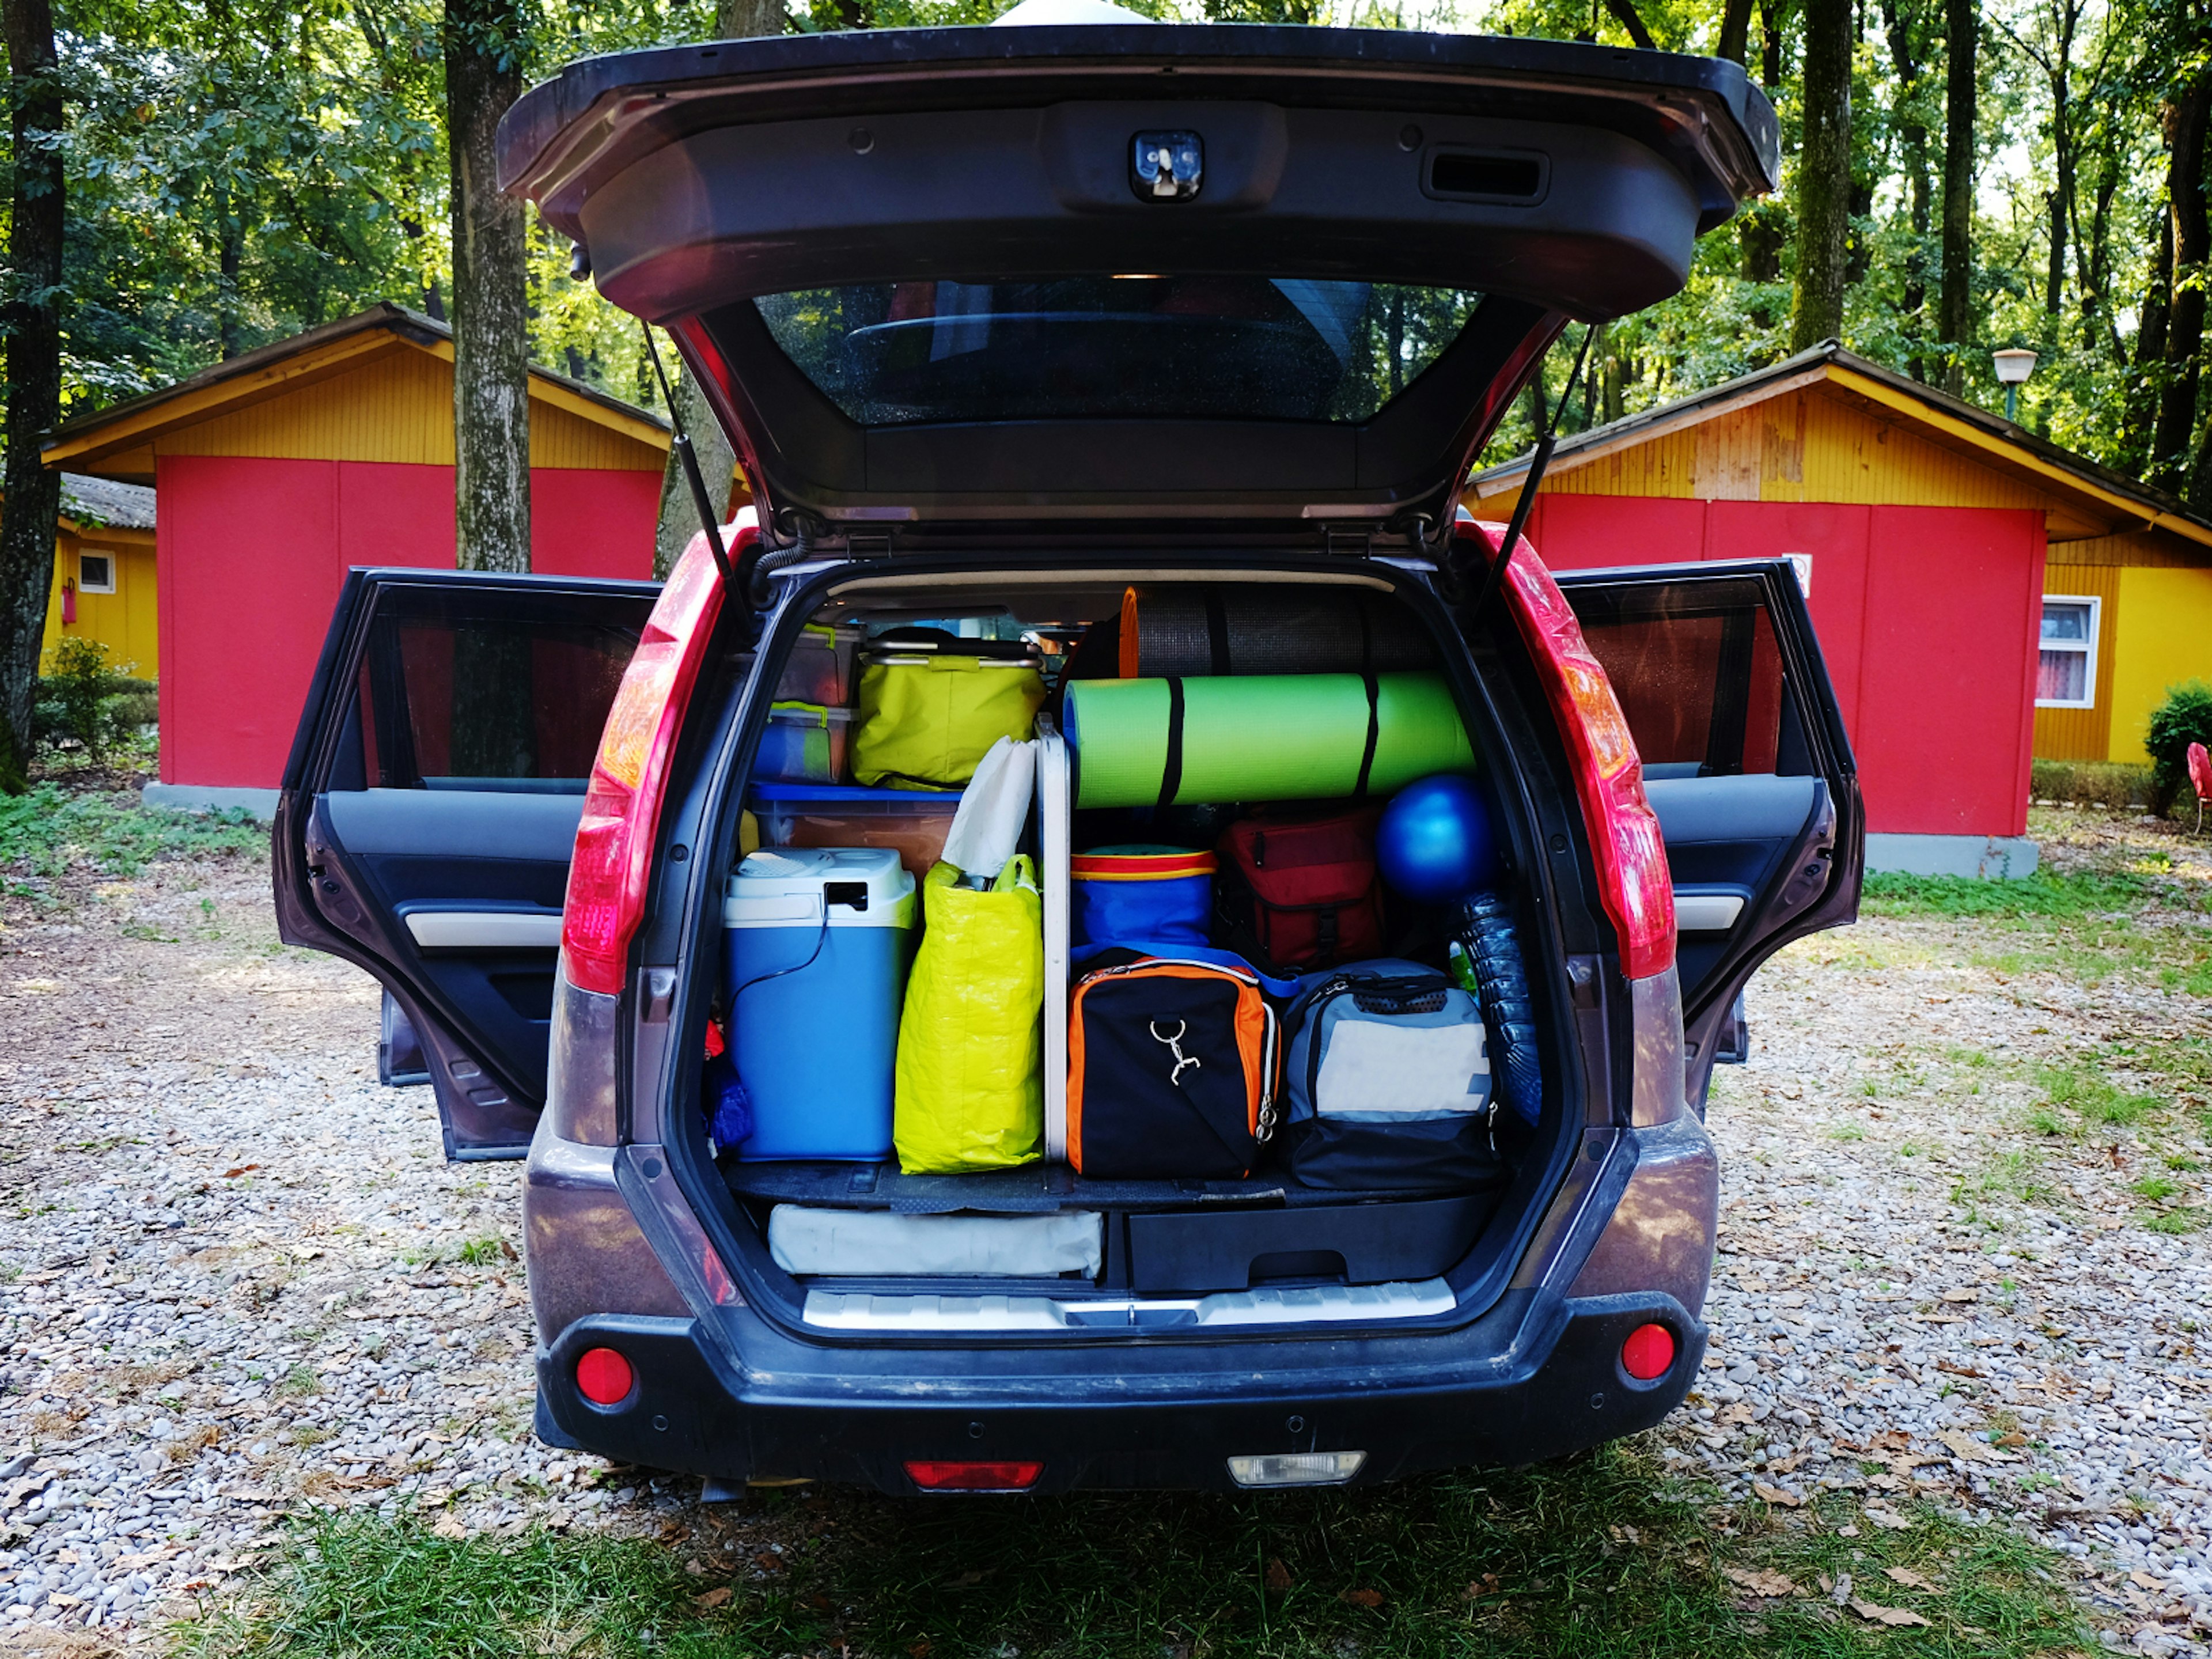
x=1153 y=938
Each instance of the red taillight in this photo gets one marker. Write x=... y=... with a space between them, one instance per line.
x=974 y=1477
x=604 y=1378
x=609 y=870
x=1633 y=882
x=1649 y=1352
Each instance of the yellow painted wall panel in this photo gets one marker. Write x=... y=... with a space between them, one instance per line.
x=2163 y=636
x=2083 y=734
x=127 y=621
x=398 y=407
x=1665 y=467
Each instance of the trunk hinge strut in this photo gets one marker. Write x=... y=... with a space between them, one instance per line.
x=700 y=501
x=1494 y=578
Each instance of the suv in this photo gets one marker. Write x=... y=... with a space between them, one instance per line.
x=1003 y=323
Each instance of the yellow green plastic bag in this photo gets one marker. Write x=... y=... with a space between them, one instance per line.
x=925 y=724
x=969 y=1091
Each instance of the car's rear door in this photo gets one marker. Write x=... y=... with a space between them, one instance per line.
x=1747 y=763
x=430 y=805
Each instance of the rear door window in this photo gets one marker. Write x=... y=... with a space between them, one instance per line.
x=1700 y=676
x=453 y=694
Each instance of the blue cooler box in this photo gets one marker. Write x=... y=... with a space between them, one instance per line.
x=816 y=943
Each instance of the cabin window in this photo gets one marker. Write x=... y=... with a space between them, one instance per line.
x=95 y=573
x=2066 y=665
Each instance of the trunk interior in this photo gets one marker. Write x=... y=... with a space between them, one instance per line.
x=923 y=1239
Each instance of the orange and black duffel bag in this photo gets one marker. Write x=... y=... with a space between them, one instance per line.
x=1172 y=1070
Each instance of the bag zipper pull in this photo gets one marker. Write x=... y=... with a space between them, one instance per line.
x=1174 y=1047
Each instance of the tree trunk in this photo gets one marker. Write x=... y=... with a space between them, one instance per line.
x=740 y=20
x=2061 y=195
x=734 y=20
x=33 y=322
x=2185 y=122
x=1823 y=175
x=2141 y=405
x=1735 y=33
x=491 y=334
x=1912 y=135
x=230 y=256
x=1624 y=14
x=1954 y=320
x=1770 y=44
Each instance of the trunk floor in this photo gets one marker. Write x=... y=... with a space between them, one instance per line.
x=1030 y=1189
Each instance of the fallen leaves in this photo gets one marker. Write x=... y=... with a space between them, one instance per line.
x=717 y=1597
x=1875 y=1613
x=1788 y=1500
x=1962 y=1296
x=1887 y=1519
x=1488 y=1584
x=1761 y=1581
x=1277 y=1576
x=1361 y=1598
x=1910 y=1579
x=243 y=1168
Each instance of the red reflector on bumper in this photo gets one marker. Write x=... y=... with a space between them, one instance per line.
x=604 y=1378
x=974 y=1477
x=1648 y=1351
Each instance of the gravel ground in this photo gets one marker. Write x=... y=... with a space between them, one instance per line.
x=236 y=1278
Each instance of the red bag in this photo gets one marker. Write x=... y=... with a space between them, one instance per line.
x=1300 y=893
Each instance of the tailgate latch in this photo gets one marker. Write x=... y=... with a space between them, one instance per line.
x=1167 y=167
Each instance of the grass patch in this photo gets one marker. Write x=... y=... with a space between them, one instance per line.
x=2083 y=925
x=50 y=831
x=2043 y=895
x=2091 y=1092
x=1603 y=1555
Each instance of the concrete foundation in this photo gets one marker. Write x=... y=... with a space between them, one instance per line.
x=1993 y=858
x=209 y=797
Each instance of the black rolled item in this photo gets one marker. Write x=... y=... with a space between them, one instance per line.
x=1182 y=632
x=1487 y=934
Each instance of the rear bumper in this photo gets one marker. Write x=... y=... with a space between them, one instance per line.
x=1538 y=1377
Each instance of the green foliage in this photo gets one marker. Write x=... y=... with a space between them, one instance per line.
x=48 y=831
x=2185 y=717
x=2114 y=784
x=82 y=701
x=2044 y=894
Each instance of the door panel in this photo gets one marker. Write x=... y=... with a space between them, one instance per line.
x=1720 y=675
x=430 y=806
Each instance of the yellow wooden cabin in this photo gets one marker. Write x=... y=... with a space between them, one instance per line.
x=1982 y=595
x=103 y=584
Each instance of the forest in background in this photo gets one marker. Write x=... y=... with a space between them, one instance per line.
x=239 y=171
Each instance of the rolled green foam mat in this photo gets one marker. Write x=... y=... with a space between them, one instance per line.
x=1255 y=737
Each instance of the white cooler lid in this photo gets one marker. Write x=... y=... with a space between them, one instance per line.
x=782 y=887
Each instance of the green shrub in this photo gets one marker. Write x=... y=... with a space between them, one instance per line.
x=85 y=701
x=2185 y=717
x=2115 y=784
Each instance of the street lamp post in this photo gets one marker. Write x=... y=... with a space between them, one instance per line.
x=2014 y=364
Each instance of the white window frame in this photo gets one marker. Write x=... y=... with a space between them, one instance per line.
x=84 y=585
x=2088 y=700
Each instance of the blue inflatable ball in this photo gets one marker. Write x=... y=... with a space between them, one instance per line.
x=1435 y=843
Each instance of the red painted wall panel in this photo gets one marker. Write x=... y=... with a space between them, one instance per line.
x=250 y=554
x=1579 y=533
x=1926 y=617
x=249 y=569
x=1947 y=706
x=1836 y=538
x=593 y=523
x=392 y=512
